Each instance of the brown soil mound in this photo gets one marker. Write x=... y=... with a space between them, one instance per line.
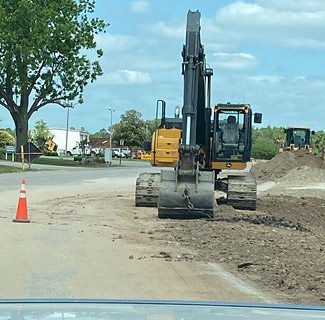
x=281 y=164
x=305 y=173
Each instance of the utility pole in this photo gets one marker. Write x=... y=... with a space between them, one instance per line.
x=110 y=133
x=67 y=131
x=110 y=138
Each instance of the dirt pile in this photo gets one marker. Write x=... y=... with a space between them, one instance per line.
x=280 y=247
x=279 y=166
x=305 y=173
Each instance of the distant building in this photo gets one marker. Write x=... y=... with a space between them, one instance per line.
x=74 y=137
x=101 y=143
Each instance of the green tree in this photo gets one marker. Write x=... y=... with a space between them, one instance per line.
x=12 y=132
x=266 y=133
x=150 y=126
x=276 y=134
x=84 y=146
x=319 y=142
x=6 y=138
x=264 y=150
x=131 y=129
x=102 y=133
x=41 y=133
x=42 y=55
x=255 y=135
x=279 y=135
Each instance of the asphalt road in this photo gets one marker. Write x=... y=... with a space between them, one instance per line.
x=58 y=175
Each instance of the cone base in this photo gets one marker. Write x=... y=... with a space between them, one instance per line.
x=21 y=220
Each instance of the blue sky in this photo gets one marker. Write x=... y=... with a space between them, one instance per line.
x=269 y=53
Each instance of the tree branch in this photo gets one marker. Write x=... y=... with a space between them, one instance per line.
x=10 y=104
x=34 y=79
x=37 y=104
x=34 y=106
x=6 y=106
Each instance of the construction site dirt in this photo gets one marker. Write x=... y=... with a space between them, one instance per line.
x=280 y=247
x=90 y=241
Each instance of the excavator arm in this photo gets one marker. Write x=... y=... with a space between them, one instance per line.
x=196 y=114
x=187 y=192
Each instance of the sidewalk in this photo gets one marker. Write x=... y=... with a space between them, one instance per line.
x=39 y=166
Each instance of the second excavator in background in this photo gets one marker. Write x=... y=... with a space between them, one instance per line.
x=199 y=146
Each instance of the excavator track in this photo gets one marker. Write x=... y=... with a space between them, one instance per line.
x=147 y=189
x=242 y=192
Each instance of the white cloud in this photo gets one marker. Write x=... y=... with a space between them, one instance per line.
x=128 y=52
x=140 y=6
x=116 y=43
x=276 y=23
x=125 y=77
x=298 y=78
x=288 y=96
x=294 y=5
x=275 y=95
x=264 y=79
x=251 y=14
x=241 y=55
x=296 y=26
x=233 y=61
x=161 y=28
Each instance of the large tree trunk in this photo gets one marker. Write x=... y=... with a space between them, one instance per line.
x=21 y=122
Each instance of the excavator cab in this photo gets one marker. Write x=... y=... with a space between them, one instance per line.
x=232 y=131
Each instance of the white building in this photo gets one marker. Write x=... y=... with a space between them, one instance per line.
x=74 y=137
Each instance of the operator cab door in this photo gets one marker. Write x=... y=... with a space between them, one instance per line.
x=232 y=135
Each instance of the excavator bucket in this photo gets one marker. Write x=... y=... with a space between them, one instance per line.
x=186 y=197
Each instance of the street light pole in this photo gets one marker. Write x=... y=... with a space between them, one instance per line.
x=110 y=134
x=67 y=131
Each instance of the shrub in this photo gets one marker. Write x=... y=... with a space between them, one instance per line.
x=6 y=138
x=50 y=153
x=2 y=153
x=264 y=149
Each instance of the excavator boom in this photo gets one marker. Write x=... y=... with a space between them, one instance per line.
x=187 y=192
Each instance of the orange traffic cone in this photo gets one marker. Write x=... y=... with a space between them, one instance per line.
x=22 y=215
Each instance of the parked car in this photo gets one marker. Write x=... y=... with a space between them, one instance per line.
x=123 y=153
x=127 y=154
x=77 y=151
x=97 y=152
x=118 y=154
x=88 y=151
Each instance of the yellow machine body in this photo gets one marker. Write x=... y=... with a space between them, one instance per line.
x=164 y=148
x=50 y=146
x=297 y=138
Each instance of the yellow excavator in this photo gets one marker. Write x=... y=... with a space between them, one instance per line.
x=297 y=138
x=199 y=146
x=51 y=146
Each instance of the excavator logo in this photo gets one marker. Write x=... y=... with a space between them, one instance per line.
x=229 y=165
